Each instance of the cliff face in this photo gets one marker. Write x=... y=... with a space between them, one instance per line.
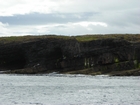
x=70 y=56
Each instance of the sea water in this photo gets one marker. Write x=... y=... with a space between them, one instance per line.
x=59 y=89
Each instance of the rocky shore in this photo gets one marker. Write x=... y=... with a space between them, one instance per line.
x=115 y=55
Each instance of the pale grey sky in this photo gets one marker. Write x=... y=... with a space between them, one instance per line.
x=69 y=17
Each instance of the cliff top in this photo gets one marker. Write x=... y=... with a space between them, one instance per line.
x=128 y=37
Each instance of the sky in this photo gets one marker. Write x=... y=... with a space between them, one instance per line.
x=69 y=17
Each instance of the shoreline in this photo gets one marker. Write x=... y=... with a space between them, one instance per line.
x=134 y=72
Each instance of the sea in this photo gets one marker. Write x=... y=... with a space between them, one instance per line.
x=63 y=89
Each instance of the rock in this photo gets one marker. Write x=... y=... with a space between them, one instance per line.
x=50 y=54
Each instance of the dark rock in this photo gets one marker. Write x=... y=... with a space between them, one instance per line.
x=61 y=55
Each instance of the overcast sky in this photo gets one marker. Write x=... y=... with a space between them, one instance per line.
x=69 y=17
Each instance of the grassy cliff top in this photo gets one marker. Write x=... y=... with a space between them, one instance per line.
x=128 y=37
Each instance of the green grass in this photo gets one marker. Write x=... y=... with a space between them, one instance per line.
x=30 y=38
x=128 y=37
x=87 y=38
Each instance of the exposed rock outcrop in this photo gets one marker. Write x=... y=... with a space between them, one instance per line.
x=45 y=55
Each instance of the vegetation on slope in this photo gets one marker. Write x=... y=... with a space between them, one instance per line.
x=128 y=37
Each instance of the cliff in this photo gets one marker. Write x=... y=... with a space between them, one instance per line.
x=89 y=54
